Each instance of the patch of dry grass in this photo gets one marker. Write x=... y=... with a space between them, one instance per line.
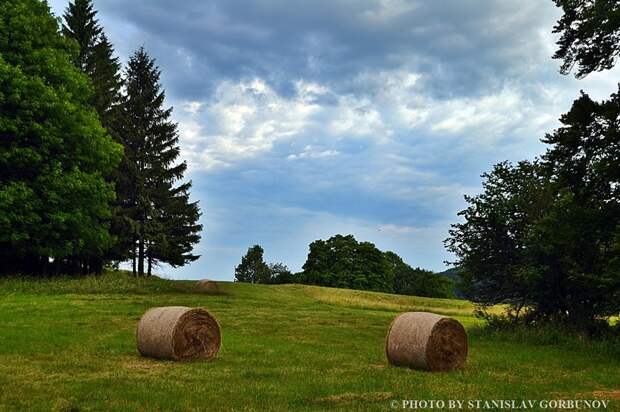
x=386 y=301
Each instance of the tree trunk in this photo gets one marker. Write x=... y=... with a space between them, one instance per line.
x=133 y=257
x=96 y=265
x=44 y=264
x=141 y=255
x=75 y=266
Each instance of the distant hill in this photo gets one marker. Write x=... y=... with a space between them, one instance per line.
x=454 y=274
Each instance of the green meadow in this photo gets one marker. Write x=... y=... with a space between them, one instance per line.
x=69 y=345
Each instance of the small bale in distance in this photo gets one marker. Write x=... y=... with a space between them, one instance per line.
x=422 y=340
x=178 y=333
x=208 y=286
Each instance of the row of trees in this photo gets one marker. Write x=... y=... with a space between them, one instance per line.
x=89 y=169
x=343 y=262
x=544 y=235
x=253 y=269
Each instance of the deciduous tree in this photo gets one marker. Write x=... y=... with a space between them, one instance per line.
x=544 y=235
x=280 y=274
x=54 y=202
x=342 y=261
x=589 y=35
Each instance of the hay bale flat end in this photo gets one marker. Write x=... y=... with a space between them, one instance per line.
x=208 y=286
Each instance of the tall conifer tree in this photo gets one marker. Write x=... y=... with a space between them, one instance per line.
x=95 y=57
x=80 y=24
x=253 y=268
x=165 y=221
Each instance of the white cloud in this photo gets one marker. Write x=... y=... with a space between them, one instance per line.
x=242 y=120
x=310 y=91
x=492 y=112
x=246 y=119
x=356 y=117
x=192 y=107
x=386 y=10
x=311 y=152
x=396 y=229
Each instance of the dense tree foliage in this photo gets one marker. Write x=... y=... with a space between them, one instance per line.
x=590 y=35
x=253 y=268
x=70 y=196
x=580 y=231
x=544 y=235
x=343 y=262
x=163 y=218
x=280 y=274
x=455 y=275
x=417 y=281
x=54 y=202
x=491 y=242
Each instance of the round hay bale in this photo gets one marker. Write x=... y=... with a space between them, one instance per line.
x=427 y=341
x=207 y=285
x=178 y=333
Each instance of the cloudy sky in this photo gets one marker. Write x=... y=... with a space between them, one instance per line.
x=304 y=119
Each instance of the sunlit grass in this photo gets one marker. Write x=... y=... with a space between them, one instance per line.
x=385 y=301
x=69 y=344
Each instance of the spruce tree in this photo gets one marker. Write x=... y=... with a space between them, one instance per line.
x=106 y=77
x=253 y=268
x=80 y=24
x=95 y=57
x=164 y=219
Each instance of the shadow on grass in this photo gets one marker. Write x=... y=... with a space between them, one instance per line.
x=109 y=282
x=552 y=335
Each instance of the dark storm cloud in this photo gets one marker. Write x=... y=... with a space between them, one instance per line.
x=461 y=47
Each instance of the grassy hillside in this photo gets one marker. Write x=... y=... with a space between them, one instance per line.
x=69 y=345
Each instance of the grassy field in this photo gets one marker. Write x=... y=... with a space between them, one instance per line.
x=69 y=345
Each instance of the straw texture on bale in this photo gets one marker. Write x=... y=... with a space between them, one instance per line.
x=207 y=285
x=178 y=333
x=427 y=341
